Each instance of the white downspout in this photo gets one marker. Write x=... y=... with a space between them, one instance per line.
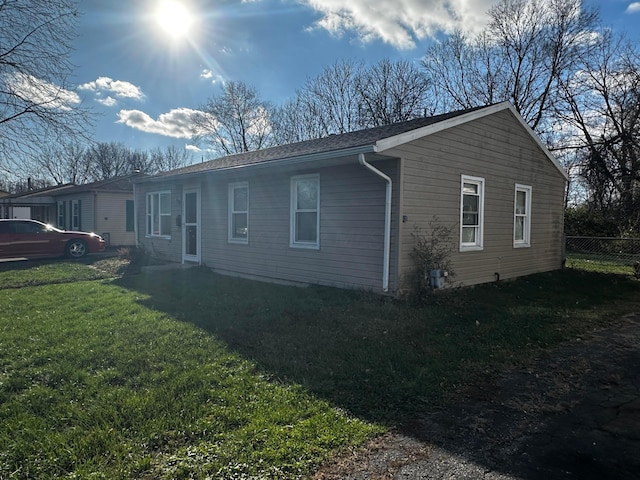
x=387 y=220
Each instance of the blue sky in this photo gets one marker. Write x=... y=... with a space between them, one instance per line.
x=144 y=78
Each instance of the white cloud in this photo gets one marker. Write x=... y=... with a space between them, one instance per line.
x=42 y=92
x=402 y=22
x=208 y=74
x=177 y=123
x=109 y=101
x=633 y=8
x=192 y=148
x=108 y=86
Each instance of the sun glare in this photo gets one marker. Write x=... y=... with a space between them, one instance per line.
x=174 y=18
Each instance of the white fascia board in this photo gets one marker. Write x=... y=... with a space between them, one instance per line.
x=391 y=142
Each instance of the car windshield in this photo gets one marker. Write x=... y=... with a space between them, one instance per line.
x=51 y=228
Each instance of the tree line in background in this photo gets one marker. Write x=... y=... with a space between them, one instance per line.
x=345 y=97
x=77 y=164
x=575 y=82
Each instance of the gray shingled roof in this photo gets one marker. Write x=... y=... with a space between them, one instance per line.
x=114 y=184
x=360 y=138
x=38 y=191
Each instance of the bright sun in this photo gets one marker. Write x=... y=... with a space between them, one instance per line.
x=174 y=18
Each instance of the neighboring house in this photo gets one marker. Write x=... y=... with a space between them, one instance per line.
x=3 y=193
x=37 y=204
x=341 y=210
x=105 y=207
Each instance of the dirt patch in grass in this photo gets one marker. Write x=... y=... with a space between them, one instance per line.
x=572 y=412
x=379 y=459
x=112 y=267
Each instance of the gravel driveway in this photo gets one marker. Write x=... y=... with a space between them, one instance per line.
x=573 y=413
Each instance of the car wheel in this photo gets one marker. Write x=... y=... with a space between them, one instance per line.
x=76 y=249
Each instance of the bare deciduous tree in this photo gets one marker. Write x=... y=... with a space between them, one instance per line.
x=24 y=185
x=109 y=160
x=78 y=164
x=36 y=101
x=66 y=163
x=168 y=159
x=603 y=110
x=391 y=92
x=295 y=122
x=332 y=97
x=236 y=120
x=528 y=49
x=349 y=96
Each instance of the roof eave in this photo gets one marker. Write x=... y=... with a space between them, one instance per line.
x=300 y=159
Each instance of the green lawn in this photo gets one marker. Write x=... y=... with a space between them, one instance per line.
x=187 y=374
x=603 y=263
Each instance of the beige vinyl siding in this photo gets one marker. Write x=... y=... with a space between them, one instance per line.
x=111 y=210
x=351 y=228
x=102 y=212
x=499 y=150
x=495 y=148
x=87 y=217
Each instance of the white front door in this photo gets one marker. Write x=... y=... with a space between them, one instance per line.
x=191 y=225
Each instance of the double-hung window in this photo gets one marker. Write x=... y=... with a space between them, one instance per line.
x=239 y=212
x=522 y=216
x=305 y=211
x=159 y=214
x=471 y=213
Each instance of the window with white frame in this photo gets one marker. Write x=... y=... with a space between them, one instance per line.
x=239 y=212
x=522 y=216
x=305 y=211
x=159 y=214
x=471 y=213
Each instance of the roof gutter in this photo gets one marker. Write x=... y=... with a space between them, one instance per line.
x=387 y=220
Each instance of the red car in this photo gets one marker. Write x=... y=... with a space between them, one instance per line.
x=31 y=239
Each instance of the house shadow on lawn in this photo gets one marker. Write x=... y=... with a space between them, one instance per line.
x=573 y=412
x=430 y=372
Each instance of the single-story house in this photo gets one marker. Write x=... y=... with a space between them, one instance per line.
x=105 y=207
x=341 y=210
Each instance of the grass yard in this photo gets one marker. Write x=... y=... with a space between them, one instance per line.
x=605 y=263
x=186 y=374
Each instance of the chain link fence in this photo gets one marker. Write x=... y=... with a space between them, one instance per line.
x=605 y=254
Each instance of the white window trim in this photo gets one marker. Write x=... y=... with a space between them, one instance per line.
x=293 y=210
x=147 y=214
x=526 y=242
x=479 y=243
x=232 y=211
